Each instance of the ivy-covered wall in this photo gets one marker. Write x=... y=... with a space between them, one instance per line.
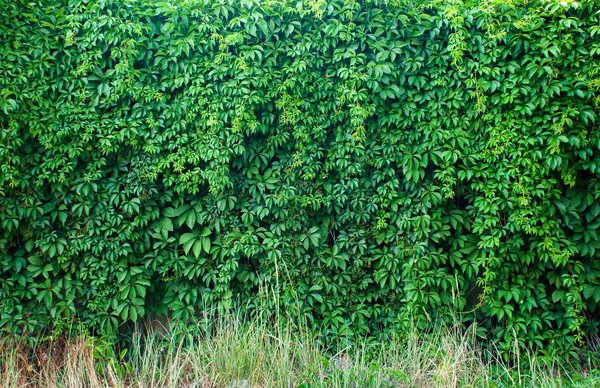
x=367 y=165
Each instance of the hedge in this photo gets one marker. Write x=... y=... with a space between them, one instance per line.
x=366 y=166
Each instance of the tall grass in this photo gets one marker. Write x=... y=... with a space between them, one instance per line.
x=239 y=352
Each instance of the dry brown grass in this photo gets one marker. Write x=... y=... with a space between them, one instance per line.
x=238 y=354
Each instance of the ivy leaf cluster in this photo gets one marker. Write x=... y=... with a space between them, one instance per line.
x=364 y=166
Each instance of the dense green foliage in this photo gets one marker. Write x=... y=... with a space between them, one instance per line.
x=366 y=165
